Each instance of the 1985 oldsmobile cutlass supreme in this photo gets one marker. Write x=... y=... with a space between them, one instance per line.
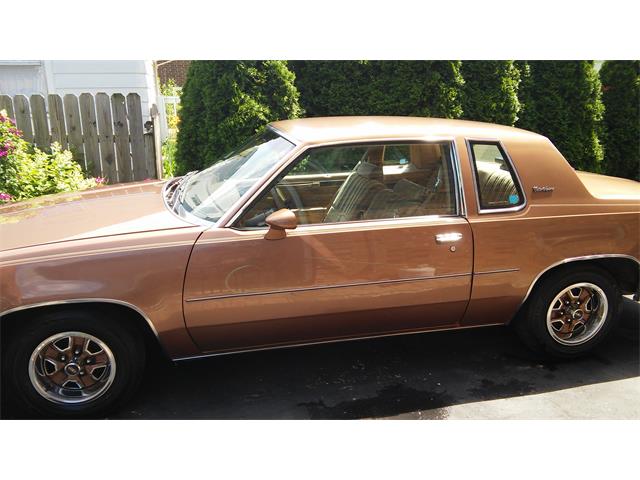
x=316 y=230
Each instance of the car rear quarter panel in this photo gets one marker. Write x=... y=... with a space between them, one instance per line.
x=511 y=249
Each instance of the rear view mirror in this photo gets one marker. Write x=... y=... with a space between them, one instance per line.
x=283 y=219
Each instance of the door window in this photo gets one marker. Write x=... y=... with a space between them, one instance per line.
x=362 y=182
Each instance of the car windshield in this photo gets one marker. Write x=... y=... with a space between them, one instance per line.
x=210 y=193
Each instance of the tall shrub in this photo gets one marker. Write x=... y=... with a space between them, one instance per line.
x=422 y=88
x=491 y=91
x=621 y=98
x=224 y=102
x=562 y=100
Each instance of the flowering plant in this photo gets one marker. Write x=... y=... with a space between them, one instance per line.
x=26 y=171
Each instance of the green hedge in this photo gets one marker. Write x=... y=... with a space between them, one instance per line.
x=562 y=100
x=621 y=98
x=491 y=91
x=224 y=102
x=422 y=88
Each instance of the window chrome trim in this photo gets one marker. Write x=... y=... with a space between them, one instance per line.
x=575 y=259
x=474 y=171
x=457 y=166
x=284 y=135
x=297 y=153
x=189 y=218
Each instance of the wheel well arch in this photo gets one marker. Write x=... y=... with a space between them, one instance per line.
x=625 y=269
x=123 y=313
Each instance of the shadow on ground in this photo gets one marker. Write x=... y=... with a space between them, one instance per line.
x=375 y=378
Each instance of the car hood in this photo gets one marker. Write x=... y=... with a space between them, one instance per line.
x=102 y=211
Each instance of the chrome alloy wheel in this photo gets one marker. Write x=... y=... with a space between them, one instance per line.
x=72 y=367
x=577 y=313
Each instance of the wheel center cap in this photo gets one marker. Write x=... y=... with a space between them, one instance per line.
x=72 y=369
x=577 y=314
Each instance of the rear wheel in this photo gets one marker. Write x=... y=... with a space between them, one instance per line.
x=72 y=364
x=570 y=312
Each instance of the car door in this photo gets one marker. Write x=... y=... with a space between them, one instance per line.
x=387 y=257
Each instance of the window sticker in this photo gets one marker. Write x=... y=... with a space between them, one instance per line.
x=514 y=199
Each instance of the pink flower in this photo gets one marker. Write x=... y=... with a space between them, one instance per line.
x=100 y=180
x=5 y=197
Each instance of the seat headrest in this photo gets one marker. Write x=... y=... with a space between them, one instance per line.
x=426 y=155
x=367 y=169
x=374 y=155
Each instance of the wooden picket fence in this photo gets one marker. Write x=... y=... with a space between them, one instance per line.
x=105 y=133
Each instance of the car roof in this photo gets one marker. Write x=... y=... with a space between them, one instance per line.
x=319 y=130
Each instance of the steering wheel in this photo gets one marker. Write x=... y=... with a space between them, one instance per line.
x=290 y=200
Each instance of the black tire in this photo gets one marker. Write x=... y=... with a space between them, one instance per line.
x=126 y=345
x=531 y=324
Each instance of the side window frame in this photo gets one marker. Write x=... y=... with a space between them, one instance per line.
x=460 y=202
x=470 y=142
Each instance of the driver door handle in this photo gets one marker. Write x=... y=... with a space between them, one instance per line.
x=448 y=237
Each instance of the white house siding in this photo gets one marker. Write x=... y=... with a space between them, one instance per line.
x=22 y=77
x=80 y=76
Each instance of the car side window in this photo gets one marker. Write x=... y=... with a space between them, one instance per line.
x=496 y=182
x=361 y=182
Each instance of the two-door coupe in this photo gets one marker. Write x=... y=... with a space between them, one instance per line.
x=316 y=230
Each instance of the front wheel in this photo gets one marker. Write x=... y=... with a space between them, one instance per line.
x=72 y=364
x=570 y=312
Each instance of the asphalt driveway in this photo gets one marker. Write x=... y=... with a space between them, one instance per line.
x=480 y=373
x=483 y=373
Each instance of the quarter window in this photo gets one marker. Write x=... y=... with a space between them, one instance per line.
x=496 y=181
x=362 y=182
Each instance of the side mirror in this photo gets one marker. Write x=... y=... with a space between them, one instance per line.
x=283 y=219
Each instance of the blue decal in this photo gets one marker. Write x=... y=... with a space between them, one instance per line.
x=513 y=199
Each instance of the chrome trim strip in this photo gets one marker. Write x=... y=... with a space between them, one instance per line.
x=190 y=219
x=324 y=287
x=284 y=135
x=482 y=211
x=575 y=259
x=335 y=340
x=84 y=300
x=457 y=172
x=354 y=225
x=504 y=270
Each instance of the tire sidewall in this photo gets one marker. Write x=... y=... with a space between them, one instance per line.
x=537 y=315
x=128 y=353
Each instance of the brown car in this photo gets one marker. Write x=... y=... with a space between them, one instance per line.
x=318 y=230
